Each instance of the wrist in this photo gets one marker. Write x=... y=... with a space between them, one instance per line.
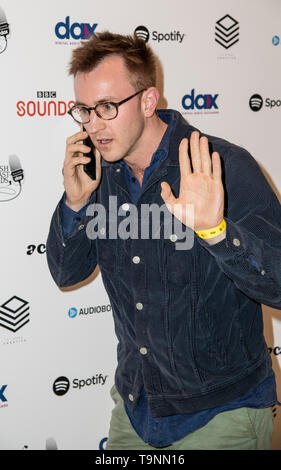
x=213 y=235
x=77 y=205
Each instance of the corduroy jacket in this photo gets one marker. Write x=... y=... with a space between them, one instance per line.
x=188 y=320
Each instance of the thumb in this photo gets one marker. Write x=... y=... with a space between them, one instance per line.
x=167 y=194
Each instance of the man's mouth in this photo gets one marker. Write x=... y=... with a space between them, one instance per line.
x=104 y=142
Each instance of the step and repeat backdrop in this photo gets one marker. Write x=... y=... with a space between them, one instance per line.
x=219 y=64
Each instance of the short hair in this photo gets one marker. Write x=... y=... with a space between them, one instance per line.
x=138 y=56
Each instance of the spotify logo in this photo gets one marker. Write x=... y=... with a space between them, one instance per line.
x=256 y=102
x=142 y=33
x=61 y=386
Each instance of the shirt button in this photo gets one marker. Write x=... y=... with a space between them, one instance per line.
x=131 y=397
x=136 y=259
x=81 y=227
x=125 y=206
x=139 y=306
x=236 y=242
x=173 y=237
x=143 y=351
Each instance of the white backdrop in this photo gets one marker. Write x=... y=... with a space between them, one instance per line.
x=40 y=339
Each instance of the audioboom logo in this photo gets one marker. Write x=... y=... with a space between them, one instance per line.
x=62 y=384
x=14 y=314
x=276 y=40
x=256 y=102
x=199 y=102
x=65 y=30
x=41 y=249
x=143 y=33
x=227 y=31
x=276 y=350
x=73 y=311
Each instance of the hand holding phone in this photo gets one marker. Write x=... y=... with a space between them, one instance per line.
x=90 y=168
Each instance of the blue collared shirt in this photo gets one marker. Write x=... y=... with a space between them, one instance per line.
x=161 y=432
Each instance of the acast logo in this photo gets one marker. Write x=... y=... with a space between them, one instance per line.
x=65 y=30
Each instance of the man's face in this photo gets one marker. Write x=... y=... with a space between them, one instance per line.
x=109 y=81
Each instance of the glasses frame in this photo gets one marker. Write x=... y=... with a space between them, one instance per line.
x=94 y=108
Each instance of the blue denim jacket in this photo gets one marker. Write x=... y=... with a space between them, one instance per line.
x=188 y=322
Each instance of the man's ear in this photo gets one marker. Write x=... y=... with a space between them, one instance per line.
x=150 y=99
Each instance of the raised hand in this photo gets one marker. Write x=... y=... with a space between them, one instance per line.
x=201 y=187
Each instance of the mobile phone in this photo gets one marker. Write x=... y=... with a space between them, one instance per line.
x=90 y=168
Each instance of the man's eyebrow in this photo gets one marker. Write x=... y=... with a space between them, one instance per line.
x=103 y=100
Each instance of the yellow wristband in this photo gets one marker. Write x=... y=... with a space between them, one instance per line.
x=212 y=232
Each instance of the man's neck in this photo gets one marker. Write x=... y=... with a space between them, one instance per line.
x=151 y=139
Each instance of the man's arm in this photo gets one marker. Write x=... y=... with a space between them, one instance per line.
x=70 y=259
x=250 y=254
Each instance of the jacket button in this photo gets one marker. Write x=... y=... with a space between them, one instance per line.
x=263 y=272
x=63 y=244
x=131 y=397
x=139 y=306
x=173 y=237
x=81 y=227
x=136 y=259
x=236 y=242
x=143 y=351
x=125 y=206
x=102 y=231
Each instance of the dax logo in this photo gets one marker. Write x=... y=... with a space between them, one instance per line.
x=64 y=30
x=227 y=31
x=61 y=386
x=2 y=396
x=199 y=101
x=14 y=313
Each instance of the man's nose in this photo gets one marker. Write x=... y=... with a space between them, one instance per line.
x=96 y=124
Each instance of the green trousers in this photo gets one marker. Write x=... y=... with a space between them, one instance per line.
x=241 y=429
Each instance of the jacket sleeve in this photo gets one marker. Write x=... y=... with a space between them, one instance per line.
x=70 y=259
x=250 y=254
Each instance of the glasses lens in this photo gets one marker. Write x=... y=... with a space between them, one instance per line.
x=80 y=114
x=107 y=110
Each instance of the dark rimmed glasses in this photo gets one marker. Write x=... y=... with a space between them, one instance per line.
x=107 y=110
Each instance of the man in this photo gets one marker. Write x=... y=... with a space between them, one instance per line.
x=193 y=371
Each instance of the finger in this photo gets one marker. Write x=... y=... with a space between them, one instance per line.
x=77 y=161
x=184 y=161
x=74 y=149
x=167 y=195
x=76 y=137
x=216 y=162
x=205 y=156
x=195 y=152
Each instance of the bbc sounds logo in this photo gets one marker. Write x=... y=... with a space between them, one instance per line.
x=46 y=105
